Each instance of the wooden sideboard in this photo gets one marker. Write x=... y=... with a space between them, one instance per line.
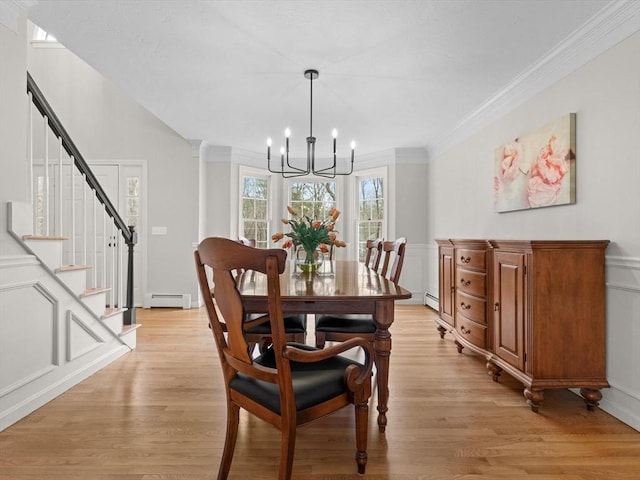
x=533 y=308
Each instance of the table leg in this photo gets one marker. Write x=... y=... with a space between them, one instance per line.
x=382 y=347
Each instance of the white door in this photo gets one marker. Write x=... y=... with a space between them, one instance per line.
x=97 y=242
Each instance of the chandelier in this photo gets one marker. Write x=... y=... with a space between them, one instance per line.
x=287 y=170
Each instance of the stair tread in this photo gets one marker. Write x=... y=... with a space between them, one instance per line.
x=70 y=268
x=94 y=291
x=129 y=328
x=110 y=312
x=44 y=237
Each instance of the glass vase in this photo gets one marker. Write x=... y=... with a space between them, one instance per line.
x=308 y=260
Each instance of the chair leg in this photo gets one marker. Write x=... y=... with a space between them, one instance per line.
x=320 y=339
x=233 y=418
x=361 y=405
x=287 y=450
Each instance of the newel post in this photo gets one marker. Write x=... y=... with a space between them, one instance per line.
x=130 y=313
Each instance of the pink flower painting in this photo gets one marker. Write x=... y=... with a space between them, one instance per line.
x=538 y=169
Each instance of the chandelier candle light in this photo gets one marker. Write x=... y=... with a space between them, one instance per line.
x=293 y=171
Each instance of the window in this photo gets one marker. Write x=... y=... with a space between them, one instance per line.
x=313 y=198
x=43 y=39
x=254 y=218
x=41 y=35
x=133 y=201
x=371 y=211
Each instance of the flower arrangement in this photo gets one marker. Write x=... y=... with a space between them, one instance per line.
x=310 y=234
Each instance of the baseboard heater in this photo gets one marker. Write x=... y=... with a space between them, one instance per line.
x=173 y=300
x=431 y=301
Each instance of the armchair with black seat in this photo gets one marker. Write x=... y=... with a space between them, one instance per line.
x=290 y=384
x=339 y=328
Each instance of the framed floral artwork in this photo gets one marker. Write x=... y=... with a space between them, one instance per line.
x=537 y=169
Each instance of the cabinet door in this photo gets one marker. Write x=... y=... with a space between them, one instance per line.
x=509 y=307
x=446 y=300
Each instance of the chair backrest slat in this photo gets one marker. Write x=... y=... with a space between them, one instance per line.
x=395 y=249
x=374 y=250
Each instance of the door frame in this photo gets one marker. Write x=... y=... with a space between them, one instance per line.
x=142 y=230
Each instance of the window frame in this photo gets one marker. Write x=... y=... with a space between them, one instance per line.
x=260 y=174
x=379 y=172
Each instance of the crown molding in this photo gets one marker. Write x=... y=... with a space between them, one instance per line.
x=615 y=22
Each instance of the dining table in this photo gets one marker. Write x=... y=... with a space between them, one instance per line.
x=337 y=287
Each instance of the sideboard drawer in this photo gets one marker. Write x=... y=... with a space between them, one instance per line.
x=471 y=307
x=472 y=332
x=471 y=282
x=471 y=258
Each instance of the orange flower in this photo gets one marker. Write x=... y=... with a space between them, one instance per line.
x=332 y=237
x=277 y=236
x=335 y=214
x=292 y=211
x=316 y=224
x=323 y=248
x=330 y=227
x=339 y=243
x=285 y=221
x=287 y=244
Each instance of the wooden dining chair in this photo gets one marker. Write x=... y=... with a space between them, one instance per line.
x=374 y=253
x=290 y=384
x=257 y=327
x=338 y=328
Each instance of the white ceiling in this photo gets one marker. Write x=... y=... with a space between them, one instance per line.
x=393 y=73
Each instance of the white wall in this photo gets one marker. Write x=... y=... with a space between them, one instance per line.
x=605 y=94
x=13 y=118
x=105 y=124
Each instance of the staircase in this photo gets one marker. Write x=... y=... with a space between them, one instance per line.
x=62 y=321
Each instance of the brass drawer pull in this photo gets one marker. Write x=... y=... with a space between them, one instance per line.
x=464 y=259
x=464 y=306
x=464 y=330
x=465 y=283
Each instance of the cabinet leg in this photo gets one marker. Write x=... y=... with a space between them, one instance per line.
x=494 y=371
x=441 y=331
x=591 y=397
x=459 y=345
x=534 y=398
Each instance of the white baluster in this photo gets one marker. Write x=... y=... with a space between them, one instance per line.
x=94 y=237
x=120 y=271
x=30 y=144
x=45 y=203
x=114 y=285
x=73 y=212
x=60 y=186
x=84 y=220
x=106 y=241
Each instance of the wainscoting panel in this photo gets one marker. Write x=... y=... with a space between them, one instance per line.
x=81 y=339
x=29 y=338
x=622 y=400
x=49 y=340
x=415 y=272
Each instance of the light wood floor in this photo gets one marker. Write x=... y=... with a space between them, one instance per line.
x=158 y=414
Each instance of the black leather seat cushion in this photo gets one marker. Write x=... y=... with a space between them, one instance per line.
x=313 y=383
x=293 y=323
x=348 y=323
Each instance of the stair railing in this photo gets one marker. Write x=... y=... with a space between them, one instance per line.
x=48 y=221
